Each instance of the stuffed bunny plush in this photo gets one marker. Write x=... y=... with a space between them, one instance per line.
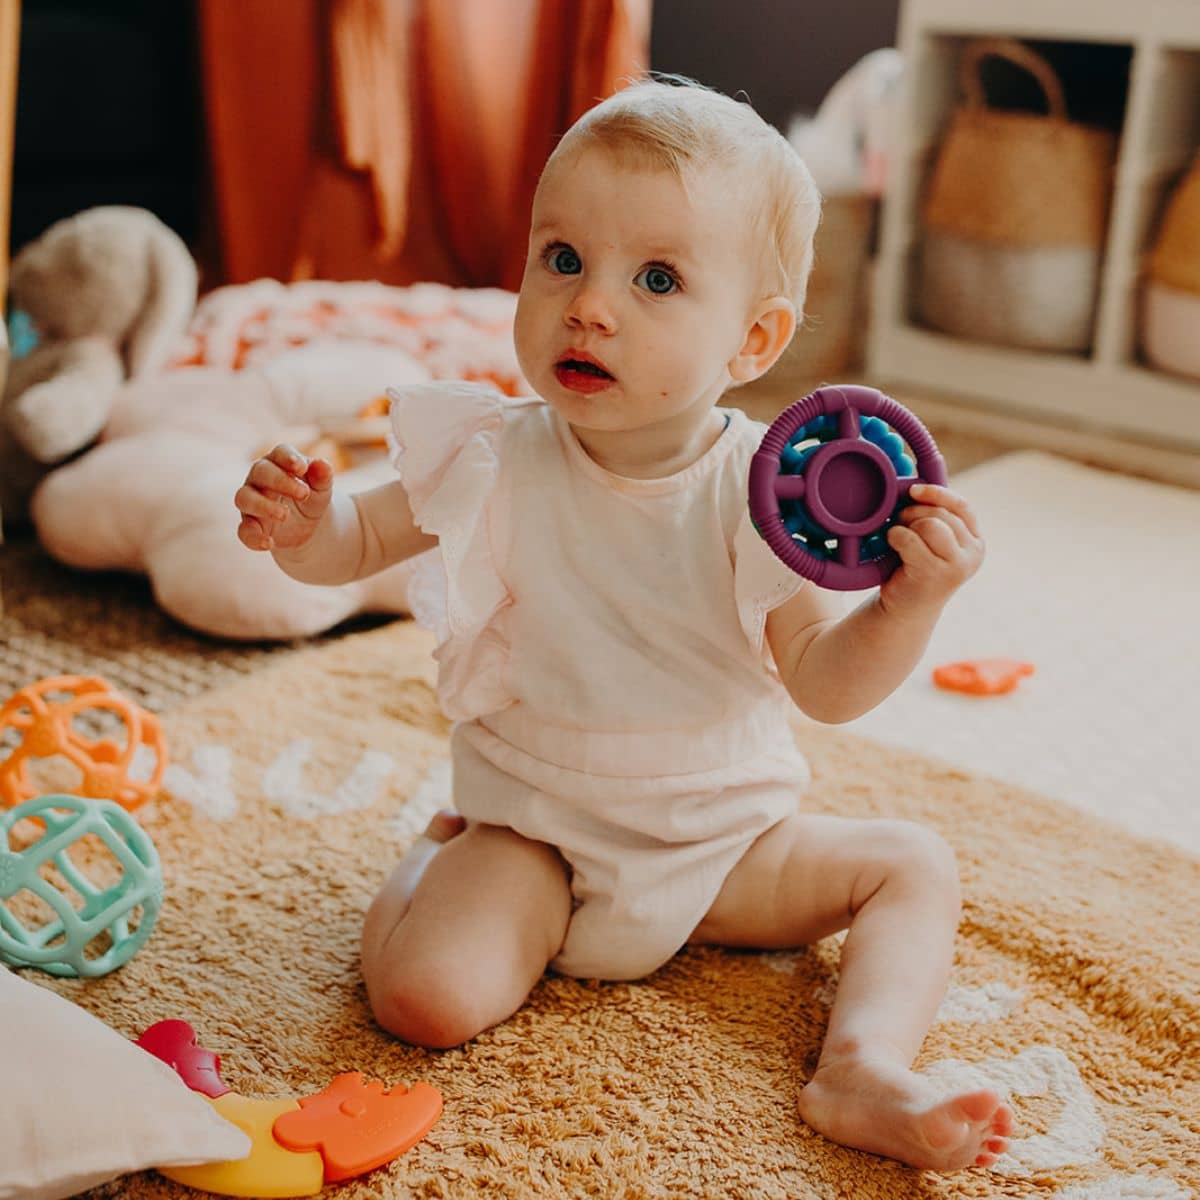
x=155 y=495
x=149 y=414
x=104 y=297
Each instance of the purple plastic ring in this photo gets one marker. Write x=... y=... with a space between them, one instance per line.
x=849 y=486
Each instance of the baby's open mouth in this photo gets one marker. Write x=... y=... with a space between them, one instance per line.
x=585 y=368
x=582 y=375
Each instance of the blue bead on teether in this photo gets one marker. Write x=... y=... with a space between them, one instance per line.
x=794 y=459
x=58 y=946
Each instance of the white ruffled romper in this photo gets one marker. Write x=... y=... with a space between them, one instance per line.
x=600 y=650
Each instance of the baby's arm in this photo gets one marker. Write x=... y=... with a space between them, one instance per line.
x=836 y=670
x=289 y=507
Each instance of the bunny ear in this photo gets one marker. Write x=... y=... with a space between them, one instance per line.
x=171 y=286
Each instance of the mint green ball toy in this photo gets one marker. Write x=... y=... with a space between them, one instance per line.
x=58 y=946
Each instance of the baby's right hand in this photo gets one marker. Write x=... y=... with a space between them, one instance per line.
x=283 y=499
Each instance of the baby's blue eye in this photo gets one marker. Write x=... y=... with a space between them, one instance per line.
x=565 y=261
x=658 y=280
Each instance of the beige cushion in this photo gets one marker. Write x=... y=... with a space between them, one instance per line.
x=80 y=1104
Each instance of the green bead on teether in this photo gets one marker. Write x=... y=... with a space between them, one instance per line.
x=59 y=945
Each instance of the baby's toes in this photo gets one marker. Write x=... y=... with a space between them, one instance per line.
x=981 y=1109
x=1002 y=1121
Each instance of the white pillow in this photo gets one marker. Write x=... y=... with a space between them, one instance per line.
x=80 y=1104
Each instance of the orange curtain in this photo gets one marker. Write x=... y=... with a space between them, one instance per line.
x=606 y=43
x=369 y=79
x=398 y=140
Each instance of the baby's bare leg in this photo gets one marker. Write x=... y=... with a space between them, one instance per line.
x=895 y=886
x=460 y=933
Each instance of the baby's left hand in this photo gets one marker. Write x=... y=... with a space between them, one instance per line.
x=940 y=548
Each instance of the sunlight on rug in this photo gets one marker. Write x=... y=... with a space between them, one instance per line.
x=1076 y=986
x=1094 y=578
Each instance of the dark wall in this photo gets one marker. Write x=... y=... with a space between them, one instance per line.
x=107 y=112
x=785 y=54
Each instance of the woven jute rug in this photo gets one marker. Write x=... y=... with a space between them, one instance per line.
x=58 y=621
x=292 y=791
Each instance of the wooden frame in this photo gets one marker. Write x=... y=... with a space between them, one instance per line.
x=1110 y=391
x=10 y=22
x=10 y=25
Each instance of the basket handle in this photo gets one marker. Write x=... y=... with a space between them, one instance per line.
x=1015 y=52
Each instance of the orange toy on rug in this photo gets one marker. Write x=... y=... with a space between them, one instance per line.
x=982 y=676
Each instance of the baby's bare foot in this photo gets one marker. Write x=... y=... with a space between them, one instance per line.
x=444 y=825
x=877 y=1106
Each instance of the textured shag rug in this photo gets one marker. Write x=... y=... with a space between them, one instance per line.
x=293 y=790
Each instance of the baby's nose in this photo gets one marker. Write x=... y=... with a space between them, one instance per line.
x=590 y=309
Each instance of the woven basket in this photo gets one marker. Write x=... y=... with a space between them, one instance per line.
x=1171 y=303
x=1015 y=215
x=1175 y=259
x=1171 y=329
x=829 y=340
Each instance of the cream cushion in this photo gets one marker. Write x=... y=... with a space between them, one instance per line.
x=80 y=1104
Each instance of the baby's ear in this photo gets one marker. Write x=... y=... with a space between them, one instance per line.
x=171 y=285
x=766 y=339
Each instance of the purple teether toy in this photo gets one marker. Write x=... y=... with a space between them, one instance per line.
x=829 y=479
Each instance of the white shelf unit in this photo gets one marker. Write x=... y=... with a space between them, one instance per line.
x=1109 y=390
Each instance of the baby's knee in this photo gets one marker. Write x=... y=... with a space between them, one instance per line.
x=924 y=859
x=435 y=1005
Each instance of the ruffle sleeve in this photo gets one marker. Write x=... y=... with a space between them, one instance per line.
x=761 y=583
x=446 y=443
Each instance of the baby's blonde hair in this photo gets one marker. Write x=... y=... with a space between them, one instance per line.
x=680 y=126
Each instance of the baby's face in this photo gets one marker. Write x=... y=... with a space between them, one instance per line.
x=636 y=291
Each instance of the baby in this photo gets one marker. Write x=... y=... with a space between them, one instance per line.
x=617 y=646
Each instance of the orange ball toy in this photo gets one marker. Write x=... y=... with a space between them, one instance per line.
x=47 y=730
